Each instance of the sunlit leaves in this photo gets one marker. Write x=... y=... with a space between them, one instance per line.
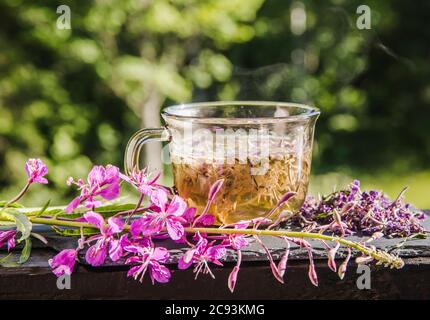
x=23 y=225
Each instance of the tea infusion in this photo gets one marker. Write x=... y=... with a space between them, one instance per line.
x=244 y=195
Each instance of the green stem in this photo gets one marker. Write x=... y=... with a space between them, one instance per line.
x=382 y=256
x=62 y=223
x=18 y=196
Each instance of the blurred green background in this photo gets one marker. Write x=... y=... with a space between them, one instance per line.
x=74 y=97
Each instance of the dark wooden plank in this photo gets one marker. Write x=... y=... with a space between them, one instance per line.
x=255 y=282
x=34 y=280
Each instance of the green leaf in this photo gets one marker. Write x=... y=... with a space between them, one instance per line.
x=6 y=261
x=115 y=208
x=7 y=223
x=23 y=225
x=75 y=232
x=106 y=211
x=43 y=208
x=12 y=205
x=25 y=253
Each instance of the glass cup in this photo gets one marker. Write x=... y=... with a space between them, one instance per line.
x=261 y=150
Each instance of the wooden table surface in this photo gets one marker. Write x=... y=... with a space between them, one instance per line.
x=34 y=279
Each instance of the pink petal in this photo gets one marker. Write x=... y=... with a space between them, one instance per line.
x=159 y=198
x=175 y=229
x=159 y=273
x=133 y=259
x=124 y=240
x=217 y=252
x=207 y=220
x=177 y=206
x=116 y=225
x=189 y=255
x=41 y=180
x=96 y=254
x=160 y=254
x=63 y=262
x=287 y=196
x=189 y=214
x=282 y=265
x=134 y=271
x=96 y=176
x=214 y=189
x=272 y=264
x=186 y=260
x=151 y=224
x=238 y=242
x=91 y=203
x=136 y=227
x=73 y=205
x=154 y=179
x=313 y=275
x=11 y=243
x=110 y=192
x=111 y=174
x=260 y=220
x=342 y=268
x=242 y=224
x=125 y=178
x=331 y=257
x=232 y=278
x=115 y=250
x=95 y=219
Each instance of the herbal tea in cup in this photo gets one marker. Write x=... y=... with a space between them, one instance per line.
x=261 y=150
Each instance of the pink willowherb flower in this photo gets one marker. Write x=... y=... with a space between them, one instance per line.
x=143 y=181
x=101 y=181
x=64 y=262
x=165 y=214
x=97 y=253
x=148 y=258
x=201 y=255
x=237 y=241
x=9 y=238
x=204 y=218
x=36 y=170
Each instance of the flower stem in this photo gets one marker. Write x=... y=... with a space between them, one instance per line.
x=18 y=196
x=382 y=256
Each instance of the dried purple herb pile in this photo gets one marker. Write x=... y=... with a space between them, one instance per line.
x=353 y=211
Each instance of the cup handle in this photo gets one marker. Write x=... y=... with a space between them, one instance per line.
x=134 y=146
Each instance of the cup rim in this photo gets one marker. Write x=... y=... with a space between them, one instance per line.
x=311 y=112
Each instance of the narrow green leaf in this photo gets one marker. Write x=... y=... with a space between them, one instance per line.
x=12 y=205
x=75 y=232
x=43 y=208
x=6 y=261
x=25 y=253
x=115 y=208
x=7 y=223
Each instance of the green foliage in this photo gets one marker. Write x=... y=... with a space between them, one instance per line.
x=23 y=225
x=74 y=97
